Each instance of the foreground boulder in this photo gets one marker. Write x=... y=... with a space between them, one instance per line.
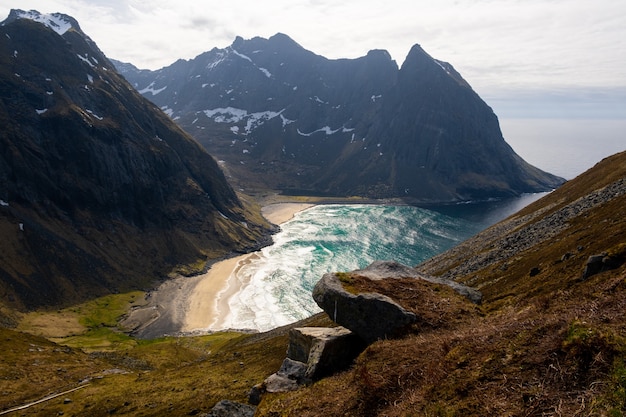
x=373 y=315
x=313 y=353
x=324 y=350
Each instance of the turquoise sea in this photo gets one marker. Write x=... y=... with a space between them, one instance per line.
x=330 y=238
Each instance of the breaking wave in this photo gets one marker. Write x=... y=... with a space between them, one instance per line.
x=329 y=238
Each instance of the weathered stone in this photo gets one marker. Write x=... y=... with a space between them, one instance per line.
x=280 y=383
x=255 y=394
x=292 y=369
x=324 y=350
x=390 y=269
x=594 y=265
x=371 y=316
x=226 y=408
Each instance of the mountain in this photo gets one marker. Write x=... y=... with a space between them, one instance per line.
x=283 y=118
x=99 y=190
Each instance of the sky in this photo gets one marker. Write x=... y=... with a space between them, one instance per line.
x=553 y=59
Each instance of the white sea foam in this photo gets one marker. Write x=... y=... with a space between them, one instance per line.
x=277 y=283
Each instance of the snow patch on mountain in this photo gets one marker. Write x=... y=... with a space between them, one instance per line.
x=151 y=89
x=233 y=115
x=85 y=59
x=220 y=57
x=247 y=58
x=326 y=129
x=55 y=21
x=94 y=114
x=441 y=64
x=286 y=121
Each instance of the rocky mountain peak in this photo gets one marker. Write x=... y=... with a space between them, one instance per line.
x=58 y=22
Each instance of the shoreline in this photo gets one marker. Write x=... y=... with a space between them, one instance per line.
x=199 y=304
x=207 y=301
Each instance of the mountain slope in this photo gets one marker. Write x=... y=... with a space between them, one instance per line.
x=284 y=118
x=100 y=190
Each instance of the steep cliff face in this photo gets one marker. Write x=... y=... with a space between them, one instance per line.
x=284 y=118
x=100 y=190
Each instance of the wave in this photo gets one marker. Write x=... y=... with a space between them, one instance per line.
x=277 y=284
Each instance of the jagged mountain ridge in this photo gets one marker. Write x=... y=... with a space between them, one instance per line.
x=284 y=118
x=100 y=191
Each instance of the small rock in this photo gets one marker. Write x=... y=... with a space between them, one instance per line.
x=255 y=394
x=594 y=265
x=226 y=408
x=279 y=383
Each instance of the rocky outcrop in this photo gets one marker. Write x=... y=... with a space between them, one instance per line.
x=373 y=316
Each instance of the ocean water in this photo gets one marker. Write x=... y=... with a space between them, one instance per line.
x=331 y=238
x=565 y=147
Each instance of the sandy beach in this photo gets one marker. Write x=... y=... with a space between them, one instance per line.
x=207 y=301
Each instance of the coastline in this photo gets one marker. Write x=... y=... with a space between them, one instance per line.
x=199 y=304
x=206 y=302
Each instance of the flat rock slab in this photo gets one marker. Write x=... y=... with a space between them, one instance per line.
x=389 y=269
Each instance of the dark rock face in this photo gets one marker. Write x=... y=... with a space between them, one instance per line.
x=372 y=315
x=101 y=191
x=284 y=118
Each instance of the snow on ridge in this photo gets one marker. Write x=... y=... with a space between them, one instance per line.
x=220 y=58
x=328 y=130
x=85 y=59
x=285 y=120
x=325 y=129
x=94 y=114
x=240 y=55
x=150 y=89
x=247 y=58
x=442 y=66
x=54 y=21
